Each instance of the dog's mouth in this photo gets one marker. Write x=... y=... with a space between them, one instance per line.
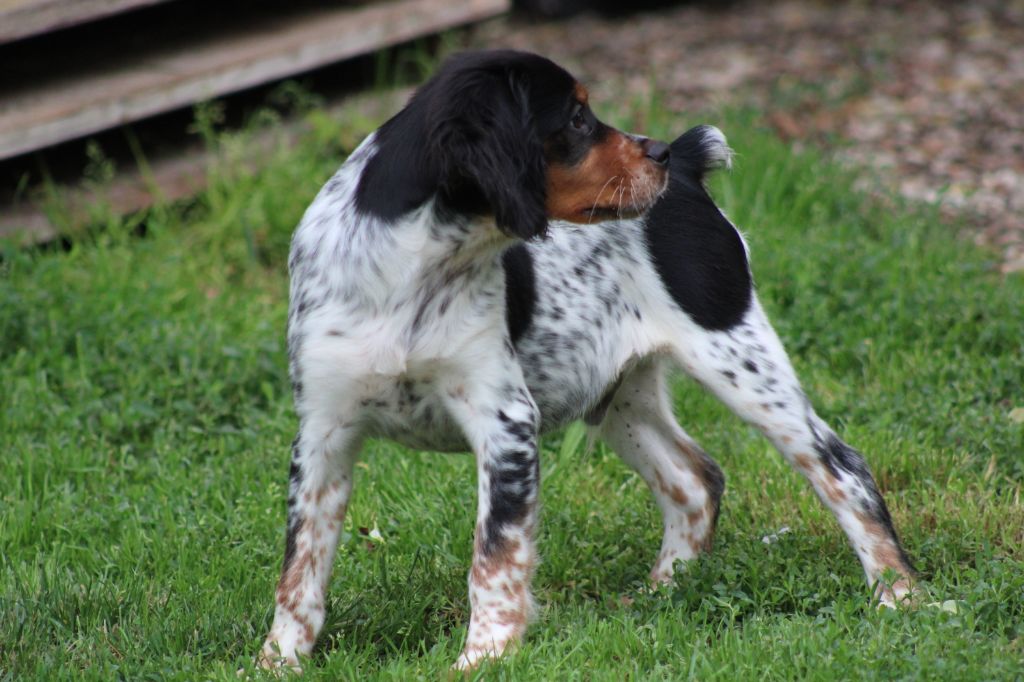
x=631 y=203
x=596 y=214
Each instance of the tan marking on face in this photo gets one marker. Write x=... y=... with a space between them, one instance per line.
x=581 y=94
x=614 y=176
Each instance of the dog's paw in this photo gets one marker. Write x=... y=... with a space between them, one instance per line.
x=472 y=657
x=895 y=591
x=271 y=658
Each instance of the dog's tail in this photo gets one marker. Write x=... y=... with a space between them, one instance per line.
x=699 y=151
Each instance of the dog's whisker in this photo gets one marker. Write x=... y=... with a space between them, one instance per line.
x=622 y=195
x=597 y=199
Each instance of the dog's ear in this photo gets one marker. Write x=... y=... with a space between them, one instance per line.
x=483 y=134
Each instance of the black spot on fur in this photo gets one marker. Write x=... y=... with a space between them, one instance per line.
x=513 y=486
x=520 y=290
x=839 y=458
x=696 y=251
x=521 y=431
x=713 y=477
x=294 y=481
x=289 y=544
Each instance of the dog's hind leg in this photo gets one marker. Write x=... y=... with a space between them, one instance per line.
x=323 y=454
x=686 y=483
x=747 y=368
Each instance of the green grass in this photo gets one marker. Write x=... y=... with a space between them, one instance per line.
x=145 y=419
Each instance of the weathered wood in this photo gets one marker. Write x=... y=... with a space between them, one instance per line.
x=171 y=76
x=24 y=18
x=168 y=178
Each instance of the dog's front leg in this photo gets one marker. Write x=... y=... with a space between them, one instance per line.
x=500 y=421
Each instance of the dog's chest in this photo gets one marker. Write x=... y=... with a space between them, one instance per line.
x=394 y=314
x=418 y=356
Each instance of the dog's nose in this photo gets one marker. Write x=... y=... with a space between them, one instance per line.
x=658 y=152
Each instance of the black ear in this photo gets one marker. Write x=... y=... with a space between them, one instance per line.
x=483 y=135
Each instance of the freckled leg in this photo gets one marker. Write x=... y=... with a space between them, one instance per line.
x=686 y=483
x=323 y=454
x=747 y=368
x=500 y=422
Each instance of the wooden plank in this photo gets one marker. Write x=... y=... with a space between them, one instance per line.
x=168 y=179
x=175 y=76
x=171 y=177
x=24 y=18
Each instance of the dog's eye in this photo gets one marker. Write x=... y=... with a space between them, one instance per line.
x=579 y=121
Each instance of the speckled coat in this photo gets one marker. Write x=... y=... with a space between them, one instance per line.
x=450 y=335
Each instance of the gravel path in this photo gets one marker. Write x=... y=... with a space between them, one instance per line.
x=929 y=96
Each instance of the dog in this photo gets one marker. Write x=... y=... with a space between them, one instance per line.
x=494 y=262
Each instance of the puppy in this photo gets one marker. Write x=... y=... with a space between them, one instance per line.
x=495 y=262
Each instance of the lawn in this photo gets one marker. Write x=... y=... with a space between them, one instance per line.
x=145 y=418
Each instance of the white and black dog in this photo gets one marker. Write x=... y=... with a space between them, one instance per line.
x=449 y=291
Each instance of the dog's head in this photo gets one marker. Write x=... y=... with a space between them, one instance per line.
x=511 y=134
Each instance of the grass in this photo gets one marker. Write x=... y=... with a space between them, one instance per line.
x=145 y=419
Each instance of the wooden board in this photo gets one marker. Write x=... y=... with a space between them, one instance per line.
x=172 y=76
x=24 y=18
x=171 y=177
